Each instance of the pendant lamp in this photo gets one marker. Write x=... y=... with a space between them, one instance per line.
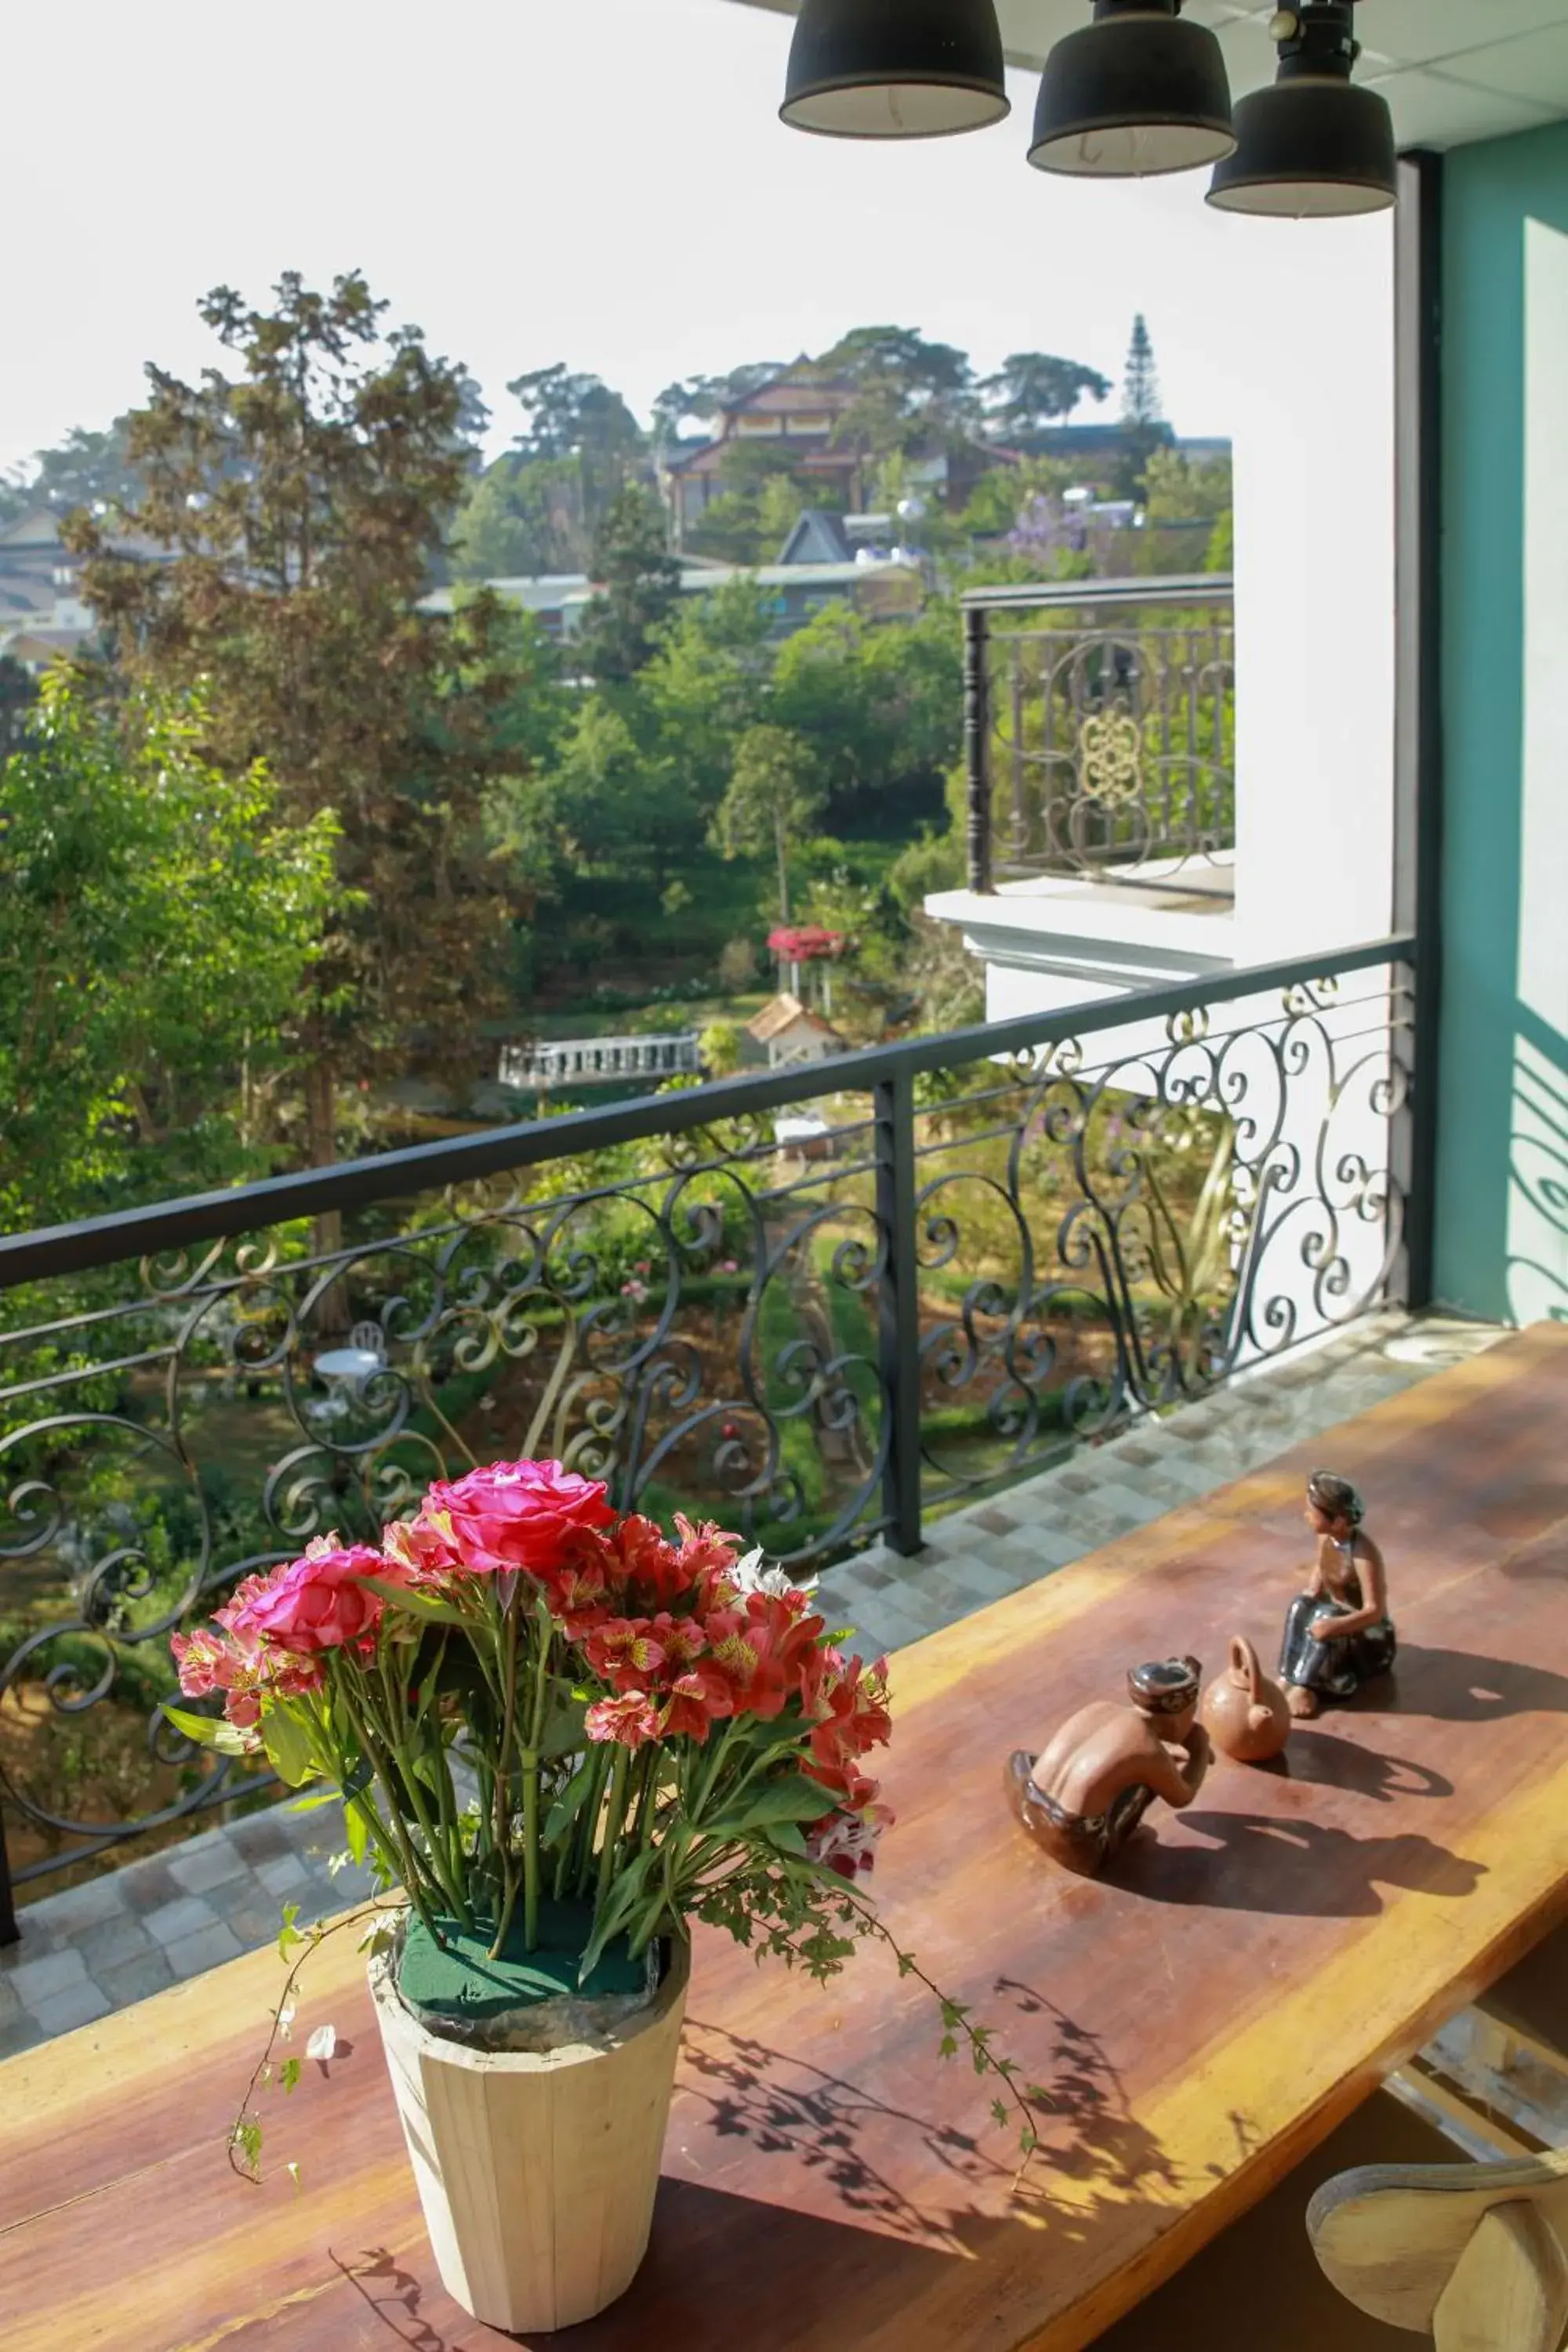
x=895 y=68
x=1312 y=145
x=1139 y=92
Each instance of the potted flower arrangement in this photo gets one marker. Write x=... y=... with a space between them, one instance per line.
x=562 y=1735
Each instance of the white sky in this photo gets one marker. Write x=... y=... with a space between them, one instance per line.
x=603 y=182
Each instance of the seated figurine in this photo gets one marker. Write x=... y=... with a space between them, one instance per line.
x=1085 y=1793
x=1337 y=1633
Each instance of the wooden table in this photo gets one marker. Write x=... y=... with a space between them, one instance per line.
x=1202 y=2023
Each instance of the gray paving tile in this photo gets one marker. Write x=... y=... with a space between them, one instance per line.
x=207 y=1948
x=112 y=1943
x=78 y=2004
x=19 y=2033
x=36 y=1980
x=186 y=1918
x=207 y=1861
x=263 y=1836
x=135 y=1979
x=281 y=1876
x=77 y=1908
x=149 y=1886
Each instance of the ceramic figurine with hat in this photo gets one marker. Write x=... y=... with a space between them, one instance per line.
x=1085 y=1793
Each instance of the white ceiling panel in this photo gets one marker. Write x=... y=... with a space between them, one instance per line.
x=1433 y=109
x=1452 y=70
x=1535 y=68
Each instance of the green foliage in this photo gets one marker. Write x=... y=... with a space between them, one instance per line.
x=773 y=797
x=1140 y=384
x=304 y=500
x=157 y=921
x=1032 y=389
x=521 y=518
x=639 y=582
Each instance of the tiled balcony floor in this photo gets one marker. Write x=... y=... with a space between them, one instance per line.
x=112 y=1941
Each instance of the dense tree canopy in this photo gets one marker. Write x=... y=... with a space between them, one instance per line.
x=304 y=498
x=158 y=918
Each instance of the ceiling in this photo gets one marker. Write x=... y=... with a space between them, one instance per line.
x=1452 y=70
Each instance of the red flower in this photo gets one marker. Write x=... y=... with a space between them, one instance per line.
x=318 y=1602
x=653 y=1570
x=763 y=1648
x=846 y=1842
x=850 y=1705
x=805 y=942
x=631 y=1720
x=697 y=1700
x=423 y=1549
x=518 y=1513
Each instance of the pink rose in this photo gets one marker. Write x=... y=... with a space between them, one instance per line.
x=518 y=1515
x=318 y=1602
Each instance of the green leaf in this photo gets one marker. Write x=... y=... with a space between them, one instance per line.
x=415 y=1604
x=288 y=1745
x=208 y=1731
x=312 y=1803
x=793 y=1798
x=564 y=1812
x=288 y=2074
x=357 y=1830
x=564 y=1733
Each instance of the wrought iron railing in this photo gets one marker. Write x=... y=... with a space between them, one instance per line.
x=1102 y=732
x=1013 y=1239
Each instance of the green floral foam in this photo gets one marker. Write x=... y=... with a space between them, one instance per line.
x=457 y=1980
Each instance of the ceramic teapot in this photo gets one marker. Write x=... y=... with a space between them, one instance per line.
x=1244 y=1713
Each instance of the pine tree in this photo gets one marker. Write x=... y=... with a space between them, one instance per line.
x=1140 y=384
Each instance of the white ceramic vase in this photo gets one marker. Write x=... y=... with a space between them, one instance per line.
x=537 y=2174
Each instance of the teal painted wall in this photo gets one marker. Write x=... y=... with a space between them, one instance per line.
x=1502 y=1169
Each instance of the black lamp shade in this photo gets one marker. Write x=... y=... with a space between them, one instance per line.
x=895 y=68
x=1140 y=91
x=1309 y=147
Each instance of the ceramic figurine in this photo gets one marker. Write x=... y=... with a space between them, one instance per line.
x=1247 y=1715
x=1337 y=1633
x=1085 y=1793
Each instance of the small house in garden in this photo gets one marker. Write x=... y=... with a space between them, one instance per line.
x=792 y=1033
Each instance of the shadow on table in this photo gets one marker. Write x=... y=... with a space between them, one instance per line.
x=1296 y=1869
x=1332 y=1763
x=1462 y=1686
x=759 y=2272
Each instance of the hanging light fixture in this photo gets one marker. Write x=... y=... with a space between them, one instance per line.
x=1313 y=144
x=895 y=68
x=1141 y=90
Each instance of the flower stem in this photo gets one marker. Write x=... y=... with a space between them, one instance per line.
x=614 y=1811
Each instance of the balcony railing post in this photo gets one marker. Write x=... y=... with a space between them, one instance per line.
x=976 y=743
x=899 y=1319
x=9 y=1931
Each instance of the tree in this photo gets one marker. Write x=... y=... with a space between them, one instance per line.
x=723 y=1049
x=1179 y=490
x=773 y=799
x=86 y=469
x=638 y=582
x=18 y=694
x=158 y=920
x=1140 y=384
x=303 y=502
x=1032 y=389
x=702 y=396
x=520 y=519
x=907 y=392
x=580 y=418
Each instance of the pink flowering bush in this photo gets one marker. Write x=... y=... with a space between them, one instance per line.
x=522 y=1696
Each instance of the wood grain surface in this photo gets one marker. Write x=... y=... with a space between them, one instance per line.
x=1201 y=2020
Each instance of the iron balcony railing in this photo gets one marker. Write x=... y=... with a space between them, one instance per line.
x=1023 y=1235
x=1100 y=732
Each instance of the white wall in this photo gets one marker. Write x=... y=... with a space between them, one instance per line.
x=1314 y=429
